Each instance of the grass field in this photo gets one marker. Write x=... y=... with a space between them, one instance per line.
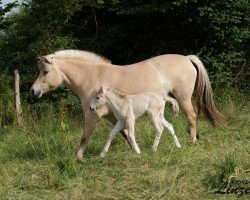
x=37 y=162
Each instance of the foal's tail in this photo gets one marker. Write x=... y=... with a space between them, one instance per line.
x=204 y=94
x=174 y=103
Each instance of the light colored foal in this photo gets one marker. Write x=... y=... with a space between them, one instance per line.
x=127 y=108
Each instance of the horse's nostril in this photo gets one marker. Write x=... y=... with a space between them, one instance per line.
x=90 y=108
x=32 y=92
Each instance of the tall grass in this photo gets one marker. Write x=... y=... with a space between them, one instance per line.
x=38 y=162
x=7 y=110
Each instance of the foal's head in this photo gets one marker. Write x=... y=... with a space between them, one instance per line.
x=99 y=100
x=49 y=78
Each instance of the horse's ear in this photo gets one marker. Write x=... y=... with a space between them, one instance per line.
x=45 y=59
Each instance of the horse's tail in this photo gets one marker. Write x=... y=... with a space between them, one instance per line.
x=174 y=103
x=204 y=94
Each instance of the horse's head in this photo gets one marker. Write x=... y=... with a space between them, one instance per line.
x=49 y=78
x=98 y=101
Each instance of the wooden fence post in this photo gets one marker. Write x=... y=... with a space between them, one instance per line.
x=17 y=99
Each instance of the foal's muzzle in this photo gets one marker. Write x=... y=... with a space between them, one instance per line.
x=92 y=109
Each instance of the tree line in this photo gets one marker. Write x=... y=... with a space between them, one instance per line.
x=127 y=31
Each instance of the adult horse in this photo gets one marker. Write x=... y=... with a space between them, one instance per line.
x=84 y=72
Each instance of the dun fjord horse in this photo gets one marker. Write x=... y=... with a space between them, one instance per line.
x=84 y=73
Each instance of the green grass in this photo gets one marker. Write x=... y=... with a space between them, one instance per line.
x=37 y=162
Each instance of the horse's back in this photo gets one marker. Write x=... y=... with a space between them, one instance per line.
x=173 y=69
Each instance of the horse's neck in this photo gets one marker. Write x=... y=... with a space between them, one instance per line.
x=114 y=101
x=73 y=76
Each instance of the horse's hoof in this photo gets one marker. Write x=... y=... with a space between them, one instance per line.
x=79 y=156
x=194 y=140
x=198 y=136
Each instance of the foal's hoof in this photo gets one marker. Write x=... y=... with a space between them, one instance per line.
x=154 y=149
x=138 y=152
x=102 y=155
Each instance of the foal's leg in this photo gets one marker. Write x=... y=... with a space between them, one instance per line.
x=130 y=123
x=119 y=125
x=154 y=118
x=123 y=132
x=89 y=124
x=169 y=127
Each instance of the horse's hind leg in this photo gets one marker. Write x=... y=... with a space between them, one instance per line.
x=191 y=117
x=183 y=94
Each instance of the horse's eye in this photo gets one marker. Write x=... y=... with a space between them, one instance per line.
x=97 y=98
x=45 y=72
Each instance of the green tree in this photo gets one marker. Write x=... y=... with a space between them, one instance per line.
x=127 y=31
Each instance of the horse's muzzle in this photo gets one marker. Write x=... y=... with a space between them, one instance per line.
x=35 y=93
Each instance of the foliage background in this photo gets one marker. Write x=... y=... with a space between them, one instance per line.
x=127 y=31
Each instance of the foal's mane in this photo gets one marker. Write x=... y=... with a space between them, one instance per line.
x=116 y=92
x=79 y=54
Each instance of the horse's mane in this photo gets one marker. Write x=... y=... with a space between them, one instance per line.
x=79 y=54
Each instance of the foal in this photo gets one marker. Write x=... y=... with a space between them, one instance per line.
x=127 y=108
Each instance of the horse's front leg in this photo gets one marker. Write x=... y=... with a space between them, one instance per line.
x=89 y=124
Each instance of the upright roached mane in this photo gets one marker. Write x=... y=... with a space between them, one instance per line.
x=78 y=54
x=84 y=73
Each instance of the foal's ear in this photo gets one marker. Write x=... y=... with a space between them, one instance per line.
x=102 y=89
